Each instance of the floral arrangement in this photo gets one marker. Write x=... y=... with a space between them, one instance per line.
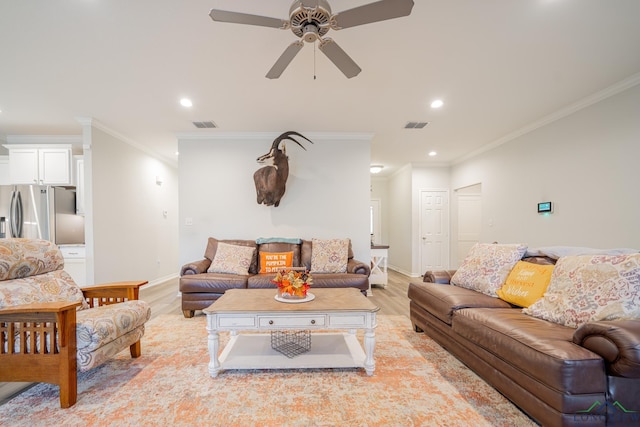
x=293 y=284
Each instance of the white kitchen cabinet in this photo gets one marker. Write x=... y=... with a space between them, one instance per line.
x=39 y=165
x=4 y=170
x=75 y=263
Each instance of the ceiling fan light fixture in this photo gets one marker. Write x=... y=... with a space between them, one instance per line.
x=311 y=20
x=376 y=168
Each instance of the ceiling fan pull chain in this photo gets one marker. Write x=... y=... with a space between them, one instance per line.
x=314 y=59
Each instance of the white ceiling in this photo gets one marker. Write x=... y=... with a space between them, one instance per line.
x=499 y=66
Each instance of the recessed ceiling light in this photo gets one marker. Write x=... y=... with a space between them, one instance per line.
x=186 y=102
x=437 y=103
x=432 y=153
x=376 y=168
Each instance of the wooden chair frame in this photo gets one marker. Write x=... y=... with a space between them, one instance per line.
x=53 y=326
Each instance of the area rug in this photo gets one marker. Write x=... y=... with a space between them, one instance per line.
x=416 y=383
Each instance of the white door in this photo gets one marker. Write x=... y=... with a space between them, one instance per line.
x=434 y=230
x=469 y=223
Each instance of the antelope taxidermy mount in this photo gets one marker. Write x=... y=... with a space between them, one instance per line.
x=271 y=179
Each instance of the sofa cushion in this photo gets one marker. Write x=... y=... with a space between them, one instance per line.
x=526 y=283
x=272 y=262
x=305 y=253
x=55 y=286
x=261 y=281
x=329 y=256
x=212 y=247
x=282 y=247
x=590 y=288
x=212 y=282
x=100 y=326
x=443 y=300
x=26 y=257
x=232 y=259
x=486 y=267
x=340 y=280
x=542 y=349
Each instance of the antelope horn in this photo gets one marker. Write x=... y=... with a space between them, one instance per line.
x=288 y=135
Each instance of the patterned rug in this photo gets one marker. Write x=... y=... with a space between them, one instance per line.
x=416 y=383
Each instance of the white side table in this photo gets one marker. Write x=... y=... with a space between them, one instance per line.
x=379 y=257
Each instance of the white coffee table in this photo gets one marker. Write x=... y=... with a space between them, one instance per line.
x=256 y=310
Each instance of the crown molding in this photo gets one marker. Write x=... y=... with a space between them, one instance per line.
x=320 y=136
x=44 y=139
x=90 y=121
x=592 y=99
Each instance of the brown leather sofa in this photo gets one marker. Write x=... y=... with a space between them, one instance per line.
x=559 y=376
x=200 y=289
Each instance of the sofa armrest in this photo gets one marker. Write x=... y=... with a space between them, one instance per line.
x=617 y=342
x=439 y=276
x=358 y=267
x=112 y=293
x=195 y=267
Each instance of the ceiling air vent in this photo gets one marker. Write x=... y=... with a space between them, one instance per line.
x=415 y=125
x=205 y=125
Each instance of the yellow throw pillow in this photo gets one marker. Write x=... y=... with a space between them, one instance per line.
x=272 y=262
x=526 y=283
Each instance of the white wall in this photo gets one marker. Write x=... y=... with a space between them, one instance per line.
x=400 y=221
x=585 y=163
x=327 y=196
x=380 y=190
x=132 y=240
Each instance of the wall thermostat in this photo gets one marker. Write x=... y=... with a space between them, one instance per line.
x=545 y=207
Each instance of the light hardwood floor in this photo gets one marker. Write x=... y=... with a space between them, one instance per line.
x=393 y=299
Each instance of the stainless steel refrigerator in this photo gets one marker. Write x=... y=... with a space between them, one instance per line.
x=41 y=212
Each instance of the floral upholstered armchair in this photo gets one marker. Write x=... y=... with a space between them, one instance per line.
x=49 y=327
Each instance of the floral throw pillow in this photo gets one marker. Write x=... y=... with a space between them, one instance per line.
x=232 y=259
x=590 y=288
x=487 y=266
x=329 y=256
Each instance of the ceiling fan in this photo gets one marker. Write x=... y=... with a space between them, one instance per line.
x=310 y=20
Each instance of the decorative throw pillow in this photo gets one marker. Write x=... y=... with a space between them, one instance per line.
x=272 y=262
x=526 y=283
x=486 y=267
x=231 y=259
x=329 y=256
x=590 y=288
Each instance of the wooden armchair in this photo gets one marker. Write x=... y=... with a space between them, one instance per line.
x=53 y=335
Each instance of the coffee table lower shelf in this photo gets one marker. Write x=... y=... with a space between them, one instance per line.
x=328 y=350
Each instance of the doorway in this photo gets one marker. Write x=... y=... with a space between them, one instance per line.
x=469 y=219
x=434 y=230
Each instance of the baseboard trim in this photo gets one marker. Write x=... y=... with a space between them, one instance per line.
x=401 y=271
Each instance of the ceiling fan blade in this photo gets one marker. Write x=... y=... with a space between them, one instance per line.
x=284 y=60
x=339 y=57
x=373 y=12
x=245 y=18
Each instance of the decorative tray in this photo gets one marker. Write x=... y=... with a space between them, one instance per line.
x=310 y=297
